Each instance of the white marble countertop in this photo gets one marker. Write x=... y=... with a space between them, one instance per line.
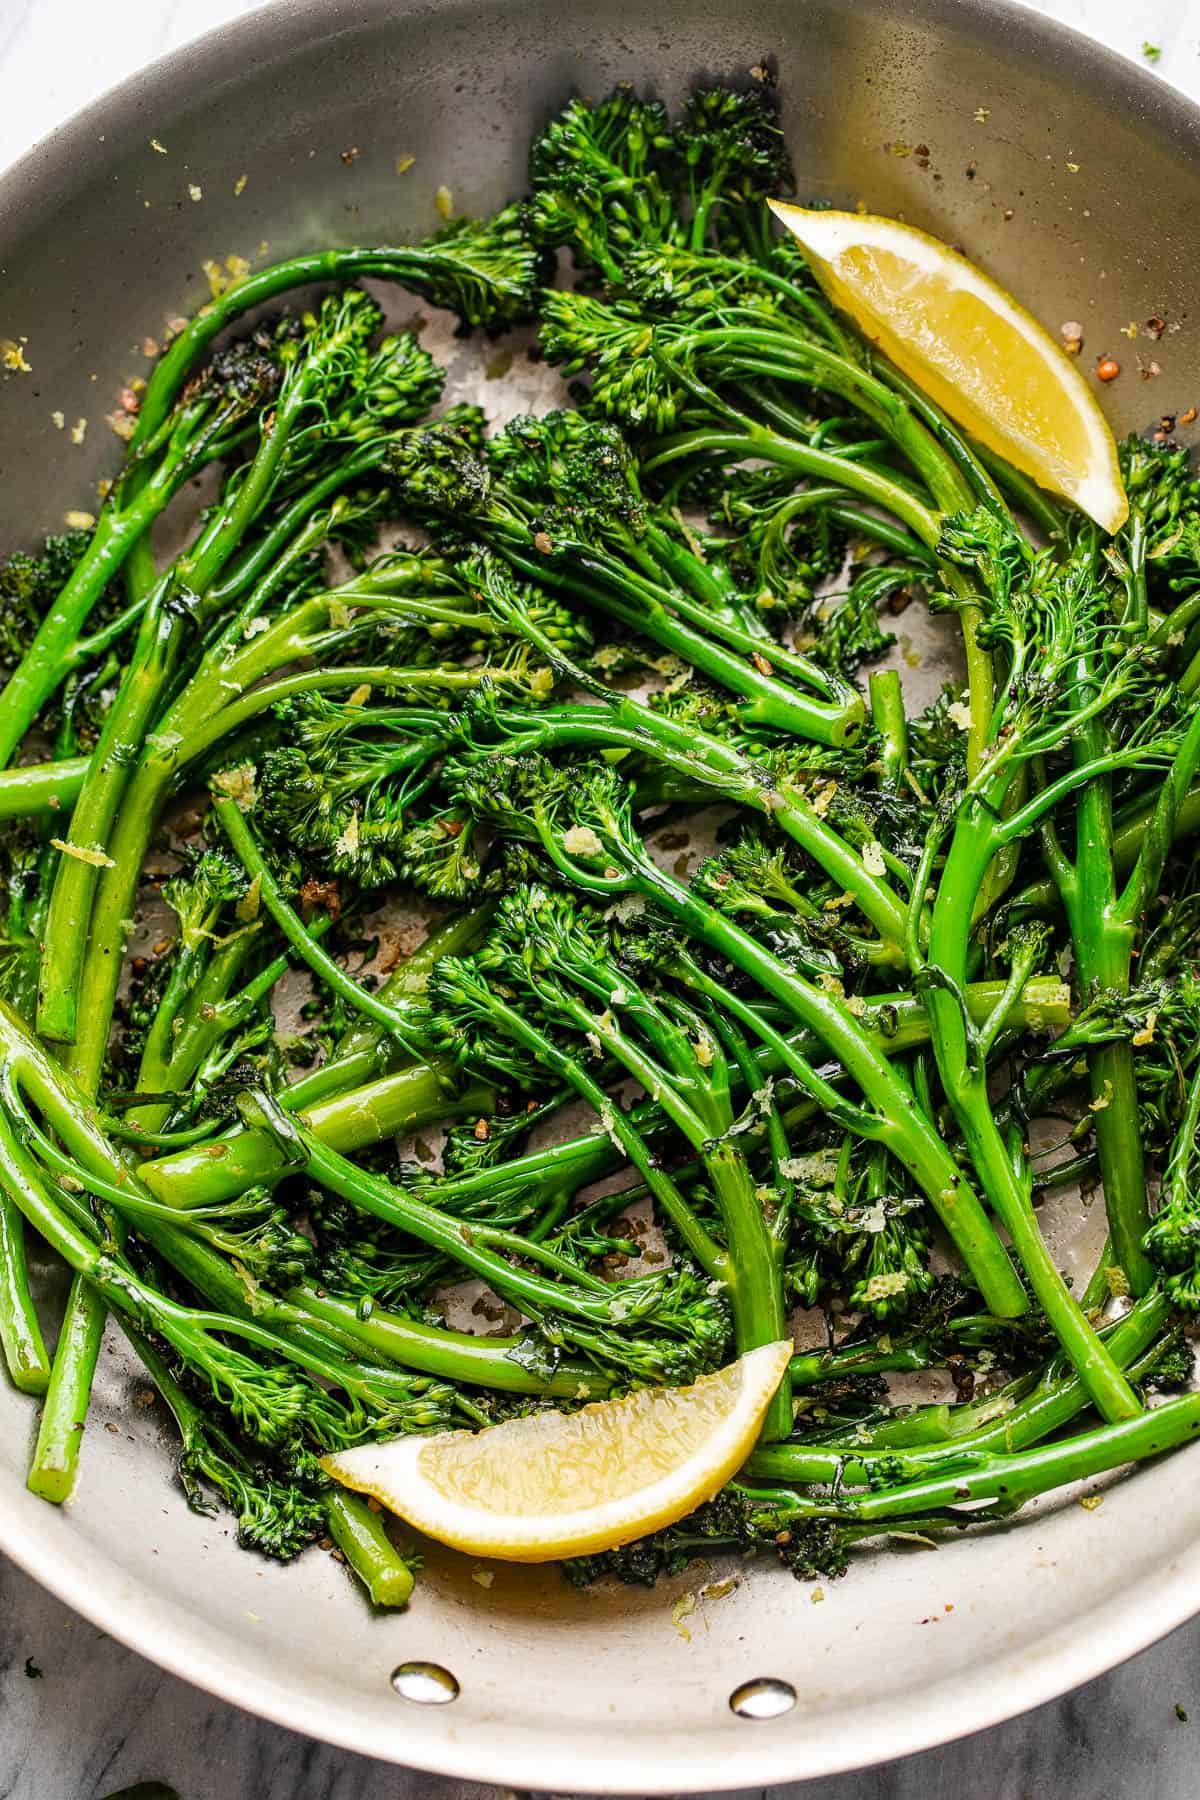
x=81 y=1718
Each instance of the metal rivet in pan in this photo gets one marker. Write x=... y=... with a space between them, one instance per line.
x=425 y=1683
x=764 y=1698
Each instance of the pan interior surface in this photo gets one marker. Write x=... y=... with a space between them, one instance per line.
x=1073 y=180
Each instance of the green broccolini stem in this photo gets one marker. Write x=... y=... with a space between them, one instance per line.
x=766 y=700
x=306 y=947
x=20 y=1333
x=359 y=1534
x=395 y=1104
x=1010 y=1481
x=963 y=1070
x=1053 y=1403
x=120 y=527
x=55 y=1458
x=411 y=267
x=392 y=1106
x=38 y=790
x=92 y=818
x=890 y=721
x=901 y=1125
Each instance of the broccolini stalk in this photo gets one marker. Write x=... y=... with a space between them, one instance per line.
x=38 y=790
x=1048 y=616
x=583 y=825
x=962 y=1064
x=1106 y=917
x=388 y=1577
x=390 y=1106
x=486 y=270
x=1009 y=1481
x=206 y=421
x=890 y=721
x=620 y=721
x=55 y=1459
x=327 y=369
x=20 y=1333
x=565 y=963
x=558 y=498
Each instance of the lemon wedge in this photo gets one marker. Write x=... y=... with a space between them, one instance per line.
x=563 y=1484
x=969 y=346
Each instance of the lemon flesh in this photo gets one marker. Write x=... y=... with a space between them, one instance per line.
x=986 y=362
x=564 y=1484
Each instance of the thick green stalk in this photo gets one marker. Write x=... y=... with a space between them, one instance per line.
x=20 y=1333
x=359 y=1535
x=487 y=1362
x=91 y=822
x=391 y=1106
x=60 y=1430
x=394 y=1104
x=47 y=659
x=193 y=1016
x=1103 y=946
x=306 y=947
x=40 y=790
x=890 y=721
x=895 y=1119
x=962 y=1067
x=1010 y=1481
x=752 y=1272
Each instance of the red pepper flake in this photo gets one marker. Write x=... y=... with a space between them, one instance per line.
x=1107 y=369
x=322 y=893
x=1188 y=417
x=482 y=1131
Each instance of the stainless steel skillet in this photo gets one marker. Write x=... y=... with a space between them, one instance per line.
x=1077 y=181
